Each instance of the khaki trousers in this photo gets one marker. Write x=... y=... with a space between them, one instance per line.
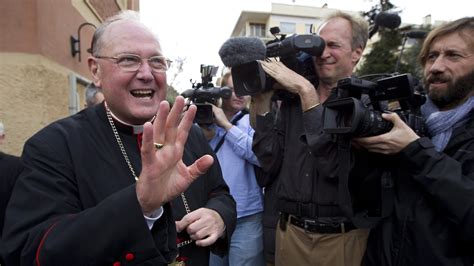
x=294 y=246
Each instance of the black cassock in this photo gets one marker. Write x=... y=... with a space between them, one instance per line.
x=75 y=202
x=10 y=169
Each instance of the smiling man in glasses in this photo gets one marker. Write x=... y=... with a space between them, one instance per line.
x=96 y=186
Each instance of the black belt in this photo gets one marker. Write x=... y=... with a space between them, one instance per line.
x=308 y=209
x=316 y=227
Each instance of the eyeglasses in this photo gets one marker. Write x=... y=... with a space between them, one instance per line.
x=131 y=62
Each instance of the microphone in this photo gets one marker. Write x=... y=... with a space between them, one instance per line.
x=416 y=34
x=240 y=50
x=388 y=20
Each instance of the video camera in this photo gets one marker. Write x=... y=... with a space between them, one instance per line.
x=295 y=52
x=348 y=115
x=204 y=94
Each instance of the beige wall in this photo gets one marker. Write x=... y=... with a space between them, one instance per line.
x=34 y=93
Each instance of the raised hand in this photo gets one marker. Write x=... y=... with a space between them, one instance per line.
x=164 y=174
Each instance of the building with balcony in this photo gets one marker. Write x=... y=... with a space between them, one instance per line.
x=289 y=18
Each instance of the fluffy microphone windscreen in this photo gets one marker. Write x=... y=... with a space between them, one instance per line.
x=240 y=50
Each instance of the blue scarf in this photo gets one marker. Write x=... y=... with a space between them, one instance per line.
x=440 y=124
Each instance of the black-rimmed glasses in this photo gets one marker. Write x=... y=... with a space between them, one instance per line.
x=131 y=62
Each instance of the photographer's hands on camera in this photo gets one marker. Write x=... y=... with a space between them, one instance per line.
x=391 y=142
x=291 y=81
x=220 y=118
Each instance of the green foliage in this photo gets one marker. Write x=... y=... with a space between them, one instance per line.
x=410 y=60
x=171 y=94
x=385 y=52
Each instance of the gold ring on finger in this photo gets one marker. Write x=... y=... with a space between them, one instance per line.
x=158 y=145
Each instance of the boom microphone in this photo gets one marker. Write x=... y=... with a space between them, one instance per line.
x=240 y=50
x=388 y=20
x=416 y=34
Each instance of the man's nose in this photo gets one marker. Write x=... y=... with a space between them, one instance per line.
x=145 y=72
x=326 y=53
x=438 y=65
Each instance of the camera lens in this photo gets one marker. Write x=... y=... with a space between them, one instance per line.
x=372 y=124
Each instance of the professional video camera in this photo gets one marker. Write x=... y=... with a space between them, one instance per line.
x=295 y=52
x=348 y=115
x=204 y=94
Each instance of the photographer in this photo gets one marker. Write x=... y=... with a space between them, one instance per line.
x=231 y=140
x=433 y=218
x=313 y=228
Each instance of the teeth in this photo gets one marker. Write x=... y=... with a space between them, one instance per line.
x=142 y=93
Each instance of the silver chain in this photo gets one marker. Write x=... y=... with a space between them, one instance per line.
x=125 y=156
x=186 y=207
x=185 y=202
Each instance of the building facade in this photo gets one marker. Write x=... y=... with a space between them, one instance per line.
x=289 y=18
x=40 y=79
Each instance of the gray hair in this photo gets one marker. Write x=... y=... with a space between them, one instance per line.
x=360 y=28
x=91 y=91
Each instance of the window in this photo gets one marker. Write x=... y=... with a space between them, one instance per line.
x=77 y=87
x=307 y=28
x=287 y=27
x=257 y=29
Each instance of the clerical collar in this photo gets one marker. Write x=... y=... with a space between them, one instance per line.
x=135 y=129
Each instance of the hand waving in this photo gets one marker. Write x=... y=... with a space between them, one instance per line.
x=164 y=174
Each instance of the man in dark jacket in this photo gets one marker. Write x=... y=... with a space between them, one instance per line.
x=97 y=185
x=314 y=229
x=433 y=216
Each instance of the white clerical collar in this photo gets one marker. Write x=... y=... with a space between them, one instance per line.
x=137 y=129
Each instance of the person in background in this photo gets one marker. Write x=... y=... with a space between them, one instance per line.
x=433 y=217
x=10 y=169
x=97 y=185
x=269 y=183
x=207 y=201
x=93 y=95
x=232 y=143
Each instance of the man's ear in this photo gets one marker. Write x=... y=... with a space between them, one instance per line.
x=356 y=55
x=95 y=71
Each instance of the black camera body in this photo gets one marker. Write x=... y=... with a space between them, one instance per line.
x=348 y=115
x=204 y=94
x=295 y=52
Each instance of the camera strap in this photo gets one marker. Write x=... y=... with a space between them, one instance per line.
x=233 y=122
